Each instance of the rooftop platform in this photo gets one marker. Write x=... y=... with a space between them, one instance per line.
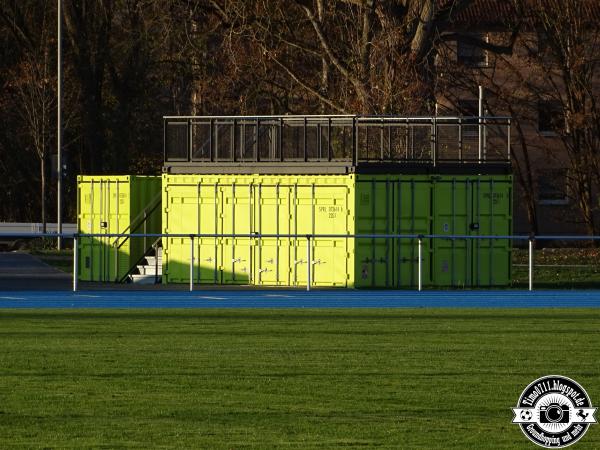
x=336 y=144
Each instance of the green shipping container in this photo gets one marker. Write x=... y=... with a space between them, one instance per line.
x=338 y=204
x=475 y=205
x=115 y=204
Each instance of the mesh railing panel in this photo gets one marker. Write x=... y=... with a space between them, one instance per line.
x=334 y=138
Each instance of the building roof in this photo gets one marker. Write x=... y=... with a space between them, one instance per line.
x=498 y=13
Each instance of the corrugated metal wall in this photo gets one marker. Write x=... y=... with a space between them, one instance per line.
x=258 y=204
x=361 y=204
x=114 y=204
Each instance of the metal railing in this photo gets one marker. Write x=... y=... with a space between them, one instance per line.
x=330 y=138
x=530 y=239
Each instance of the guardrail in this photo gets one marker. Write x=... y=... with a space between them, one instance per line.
x=530 y=239
x=345 y=138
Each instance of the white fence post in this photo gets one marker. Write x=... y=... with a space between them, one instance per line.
x=531 y=264
x=308 y=263
x=191 y=262
x=420 y=265
x=75 y=262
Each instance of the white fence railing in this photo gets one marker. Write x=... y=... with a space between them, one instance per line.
x=530 y=239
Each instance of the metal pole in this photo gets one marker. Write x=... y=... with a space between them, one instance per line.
x=308 y=263
x=508 y=139
x=75 y=262
x=59 y=131
x=116 y=254
x=530 y=264
x=191 y=262
x=420 y=268
x=480 y=153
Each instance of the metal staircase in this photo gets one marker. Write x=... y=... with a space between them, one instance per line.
x=149 y=271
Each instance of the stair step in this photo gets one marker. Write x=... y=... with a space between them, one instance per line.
x=151 y=260
x=143 y=279
x=149 y=270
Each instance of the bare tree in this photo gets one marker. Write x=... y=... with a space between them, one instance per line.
x=34 y=84
x=376 y=56
x=572 y=72
x=88 y=26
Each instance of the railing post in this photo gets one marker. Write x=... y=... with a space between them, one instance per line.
x=308 y=263
x=156 y=263
x=190 y=140
x=508 y=139
x=116 y=262
x=480 y=126
x=420 y=265
x=460 y=140
x=75 y=262
x=434 y=141
x=354 y=142
x=531 y=263
x=191 y=262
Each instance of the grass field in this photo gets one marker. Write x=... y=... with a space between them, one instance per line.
x=284 y=378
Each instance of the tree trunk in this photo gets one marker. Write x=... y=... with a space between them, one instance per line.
x=43 y=189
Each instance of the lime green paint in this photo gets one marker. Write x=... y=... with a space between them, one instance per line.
x=115 y=204
x=247 y=204
x=337 y=204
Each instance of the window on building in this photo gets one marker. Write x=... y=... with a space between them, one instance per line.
x=553 y=187
x=470 y=54
x=551 y=118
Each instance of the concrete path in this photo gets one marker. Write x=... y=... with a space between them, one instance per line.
x=21 y=271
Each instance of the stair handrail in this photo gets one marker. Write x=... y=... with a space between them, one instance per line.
x=154 y=245
x=144 y=215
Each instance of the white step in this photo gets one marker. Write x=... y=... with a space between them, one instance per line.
x=149 y=270
x=151 y=260
x=143 y=279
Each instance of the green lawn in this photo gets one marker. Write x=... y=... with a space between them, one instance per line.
x=62 y=259
x=558 y=268
x=284 y=378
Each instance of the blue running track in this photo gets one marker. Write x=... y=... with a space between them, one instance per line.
x=300 y=299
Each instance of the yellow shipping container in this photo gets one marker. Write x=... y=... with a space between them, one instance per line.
x=262 y=204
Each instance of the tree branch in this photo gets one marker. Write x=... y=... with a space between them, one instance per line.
x=358 y=86
x=305 y=85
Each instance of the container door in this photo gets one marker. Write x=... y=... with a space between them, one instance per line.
x=374 y=215
x=272 y=216
x=192 y=208
x=451 y=206
x=103 y=209
x=237 y=219
x=303 y=199
x=181 y=207
x=491 y=215
x=210 y=217
x=412 y=214
x=87 y=224
x=330 y=264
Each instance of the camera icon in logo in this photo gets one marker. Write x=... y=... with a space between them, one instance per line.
x=554 y=413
